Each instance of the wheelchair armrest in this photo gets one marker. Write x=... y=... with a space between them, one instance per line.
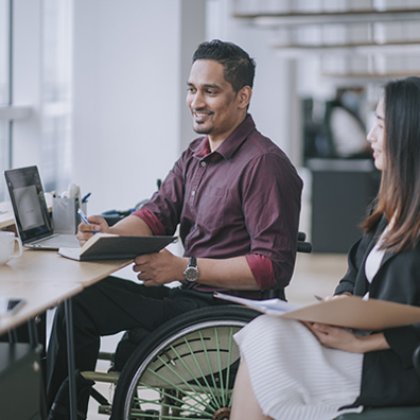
x=302 y=244
x=304 y=247
x=301 y=236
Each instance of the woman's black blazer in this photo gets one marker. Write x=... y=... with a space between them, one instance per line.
x=388 y=376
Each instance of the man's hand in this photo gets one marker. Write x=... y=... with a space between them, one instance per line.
x=159 y=268
x=85 y=231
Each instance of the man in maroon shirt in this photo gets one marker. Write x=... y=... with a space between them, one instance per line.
x=236 y=198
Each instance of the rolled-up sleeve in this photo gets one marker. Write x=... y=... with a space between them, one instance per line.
x=262 y=270
x=271 y=205
x=151 y=220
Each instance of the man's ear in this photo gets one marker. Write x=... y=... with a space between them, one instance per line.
x=244 y=96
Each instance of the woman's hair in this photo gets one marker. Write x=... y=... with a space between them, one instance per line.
x=399 y=193
x=239 y=67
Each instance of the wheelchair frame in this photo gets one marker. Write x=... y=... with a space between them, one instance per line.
x=214 y=321
x=186 y=369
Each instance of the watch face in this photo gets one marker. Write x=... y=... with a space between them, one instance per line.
x=191 y=273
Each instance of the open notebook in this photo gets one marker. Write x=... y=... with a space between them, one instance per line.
x=105 y=246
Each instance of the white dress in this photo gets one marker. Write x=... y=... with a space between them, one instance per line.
x=292 y=375
x=292 y=383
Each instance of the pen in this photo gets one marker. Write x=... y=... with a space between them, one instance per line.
x=83 y=216
x=85 y=197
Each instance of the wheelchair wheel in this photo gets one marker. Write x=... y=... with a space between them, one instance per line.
x=185 y=369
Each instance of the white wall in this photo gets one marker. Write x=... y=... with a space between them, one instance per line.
x=273 y=104
x=127 y=90
x=132 y=60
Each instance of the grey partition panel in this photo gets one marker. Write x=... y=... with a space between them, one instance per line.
x=20 y=382
x=341 y=193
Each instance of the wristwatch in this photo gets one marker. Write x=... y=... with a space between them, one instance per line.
x=191 y=272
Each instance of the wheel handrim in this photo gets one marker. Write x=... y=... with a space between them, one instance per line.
x=189 y=378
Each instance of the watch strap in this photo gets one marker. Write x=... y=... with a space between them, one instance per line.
x=192 y=262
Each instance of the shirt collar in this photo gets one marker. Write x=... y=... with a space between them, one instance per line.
x=231 y=144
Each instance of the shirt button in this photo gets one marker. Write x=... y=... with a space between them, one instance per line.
x=203 y=164
x=193 y=193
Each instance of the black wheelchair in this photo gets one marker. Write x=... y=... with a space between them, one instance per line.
x=186 y=369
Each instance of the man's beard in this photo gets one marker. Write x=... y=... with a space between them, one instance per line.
x=202 y=128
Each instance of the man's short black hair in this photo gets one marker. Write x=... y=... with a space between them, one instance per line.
x=239 y=66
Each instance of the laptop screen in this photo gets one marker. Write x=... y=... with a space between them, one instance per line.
x=28 y=201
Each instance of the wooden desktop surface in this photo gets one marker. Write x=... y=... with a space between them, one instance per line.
x=44 y=279
x=38 y=298
x=42 y=266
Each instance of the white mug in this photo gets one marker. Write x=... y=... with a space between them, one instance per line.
x=10 y=246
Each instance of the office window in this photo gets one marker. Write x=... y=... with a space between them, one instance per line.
x=35 y=105
x=4 y=52
x=56 y=93
x=4 y=90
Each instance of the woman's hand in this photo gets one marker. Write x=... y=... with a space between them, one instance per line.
x=343 y=295
x=336 y=337
x=344 y=339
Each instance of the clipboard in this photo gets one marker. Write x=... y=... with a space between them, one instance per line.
x=105 y=246
x=348 y=312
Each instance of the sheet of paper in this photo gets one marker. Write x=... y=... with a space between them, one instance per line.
x=349 y=311
x=274 y=306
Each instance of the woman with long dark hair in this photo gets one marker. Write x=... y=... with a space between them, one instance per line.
x=290 y=370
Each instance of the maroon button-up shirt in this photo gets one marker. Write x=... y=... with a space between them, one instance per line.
x=241 y=200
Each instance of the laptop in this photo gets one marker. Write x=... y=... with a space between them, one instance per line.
x=33 y=219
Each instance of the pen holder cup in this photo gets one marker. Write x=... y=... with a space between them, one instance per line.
x=64 y=214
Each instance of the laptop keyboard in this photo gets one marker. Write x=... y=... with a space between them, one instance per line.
x=59 y=240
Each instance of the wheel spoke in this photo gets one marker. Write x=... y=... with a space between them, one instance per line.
x=208 y=388
x=219 y=362
x=229 y=364
x=188 y=374
x=171 y=383
x=213 y=380
x=184 y=405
